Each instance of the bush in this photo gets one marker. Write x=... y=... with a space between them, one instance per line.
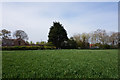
x=22 y=47
x=49 y=47
x=69 y=44
x=105 y=46
x=27 y=47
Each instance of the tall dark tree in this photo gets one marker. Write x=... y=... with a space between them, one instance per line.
x=57 y=34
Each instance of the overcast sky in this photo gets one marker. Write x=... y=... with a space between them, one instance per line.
x=35 y=18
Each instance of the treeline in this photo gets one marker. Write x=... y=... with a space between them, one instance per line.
x=96 y=39
x=57 y=38
x=6 y=34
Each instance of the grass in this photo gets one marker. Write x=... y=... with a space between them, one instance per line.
x=60 y=64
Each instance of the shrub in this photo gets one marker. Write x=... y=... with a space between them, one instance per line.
x=49 y=47
x=27 y=47
x=69 y=44
x=105 y=46
x=22 y=47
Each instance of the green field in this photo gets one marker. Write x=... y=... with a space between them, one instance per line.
x=60 y=64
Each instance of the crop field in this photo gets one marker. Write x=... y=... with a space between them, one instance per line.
x=60 y=64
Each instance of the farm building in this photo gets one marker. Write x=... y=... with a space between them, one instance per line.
x=13 y=42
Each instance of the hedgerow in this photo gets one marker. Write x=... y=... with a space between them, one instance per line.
x=27 y=47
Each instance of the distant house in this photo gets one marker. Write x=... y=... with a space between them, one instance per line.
x=92 y=46
x=13 y=42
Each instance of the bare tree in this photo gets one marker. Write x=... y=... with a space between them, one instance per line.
x=114 y=38
x=20 y=34
x=99 y=36
x=77 y=37
x=82 y=40
x=5 y=34
x=85 y=37
x=103 y=36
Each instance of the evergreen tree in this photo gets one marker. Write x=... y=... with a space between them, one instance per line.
x=57 y=34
